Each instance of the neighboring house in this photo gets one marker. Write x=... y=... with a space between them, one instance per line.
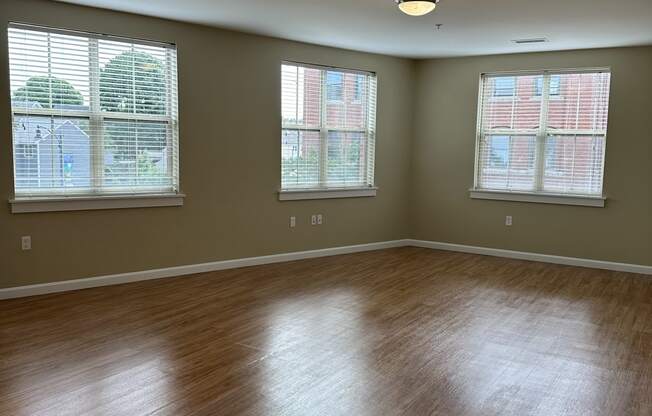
x=53 y=152
x=50 y=151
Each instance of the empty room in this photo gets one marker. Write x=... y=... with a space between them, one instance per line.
x=343 y=207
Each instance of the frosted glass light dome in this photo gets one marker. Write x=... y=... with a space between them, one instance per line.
x=416 y=8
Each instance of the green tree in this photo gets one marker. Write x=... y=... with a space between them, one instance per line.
x=133 y=82
x=48 y=91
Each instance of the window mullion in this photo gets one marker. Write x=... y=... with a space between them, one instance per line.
x=96 y=123
x=541 y=136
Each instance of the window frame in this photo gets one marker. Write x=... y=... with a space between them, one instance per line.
x=537 y=195
x=321 y=190
x=97 y=196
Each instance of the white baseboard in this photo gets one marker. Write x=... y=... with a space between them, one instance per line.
x=116 y=279
x=545 y=258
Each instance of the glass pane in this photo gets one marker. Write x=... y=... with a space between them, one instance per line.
x=346 y=159
x=48 y=70
x=507 y=163
x=136 y=154
x=300 y=164
x=51 y=153
x=573 y=164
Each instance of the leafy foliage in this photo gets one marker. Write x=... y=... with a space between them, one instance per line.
x=133 y=82
x=37 y=89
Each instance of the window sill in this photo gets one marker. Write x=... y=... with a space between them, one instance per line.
x=325 y=193
x=560 y=199
x=22 y=205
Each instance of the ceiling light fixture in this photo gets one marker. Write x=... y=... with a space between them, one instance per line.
x=416 y=8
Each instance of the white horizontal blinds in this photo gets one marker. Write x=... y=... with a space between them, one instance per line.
x=543 y=132
x=575 y=134
x=301 y=98
x=92 y=115
x=328 y=132
x=510 y=124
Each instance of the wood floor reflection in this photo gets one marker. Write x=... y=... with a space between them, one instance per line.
x=404 y=331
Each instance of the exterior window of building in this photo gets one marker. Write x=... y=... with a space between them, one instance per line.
x=28 y=151
x=359 y=88
x=504 y=86
x=334 y=86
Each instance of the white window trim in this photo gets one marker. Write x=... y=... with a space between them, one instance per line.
x=533 y=196
x=323 y=192
x=326 y=193
x=543 y=198
x=85 y=203
x=93 y=198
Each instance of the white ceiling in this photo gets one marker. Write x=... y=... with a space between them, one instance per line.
x=470 y=27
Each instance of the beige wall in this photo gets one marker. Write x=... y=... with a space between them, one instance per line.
x=229 y=113
x=445 y=127
x=230 y=160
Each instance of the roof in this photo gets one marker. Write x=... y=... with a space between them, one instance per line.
x=31 y=129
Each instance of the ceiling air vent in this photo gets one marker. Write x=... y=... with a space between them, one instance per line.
x=533 y=40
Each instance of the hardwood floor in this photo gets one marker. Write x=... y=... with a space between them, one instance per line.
x=404 y=331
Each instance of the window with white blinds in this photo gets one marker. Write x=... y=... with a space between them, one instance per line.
x=543 y=132
x=328 y=127
x=92 y=114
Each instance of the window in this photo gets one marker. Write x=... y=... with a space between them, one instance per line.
x=360 y=82
x=27 y=151
x=555 y=85
x=544 y=146
x=504 y=86
x=334 y=86
x=327 y=143
x=97 y=113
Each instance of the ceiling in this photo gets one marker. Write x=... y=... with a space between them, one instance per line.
x=469 y=27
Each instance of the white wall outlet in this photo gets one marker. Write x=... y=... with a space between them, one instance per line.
x=320 y=219
x=313 y=220
x=293 y=222
x=508 y=220
x=26 y=242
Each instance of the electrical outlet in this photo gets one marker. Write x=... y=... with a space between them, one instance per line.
x=313 y=220
x=26 y=242
x=508 y=220
x=320 y=219
x=293 y=222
